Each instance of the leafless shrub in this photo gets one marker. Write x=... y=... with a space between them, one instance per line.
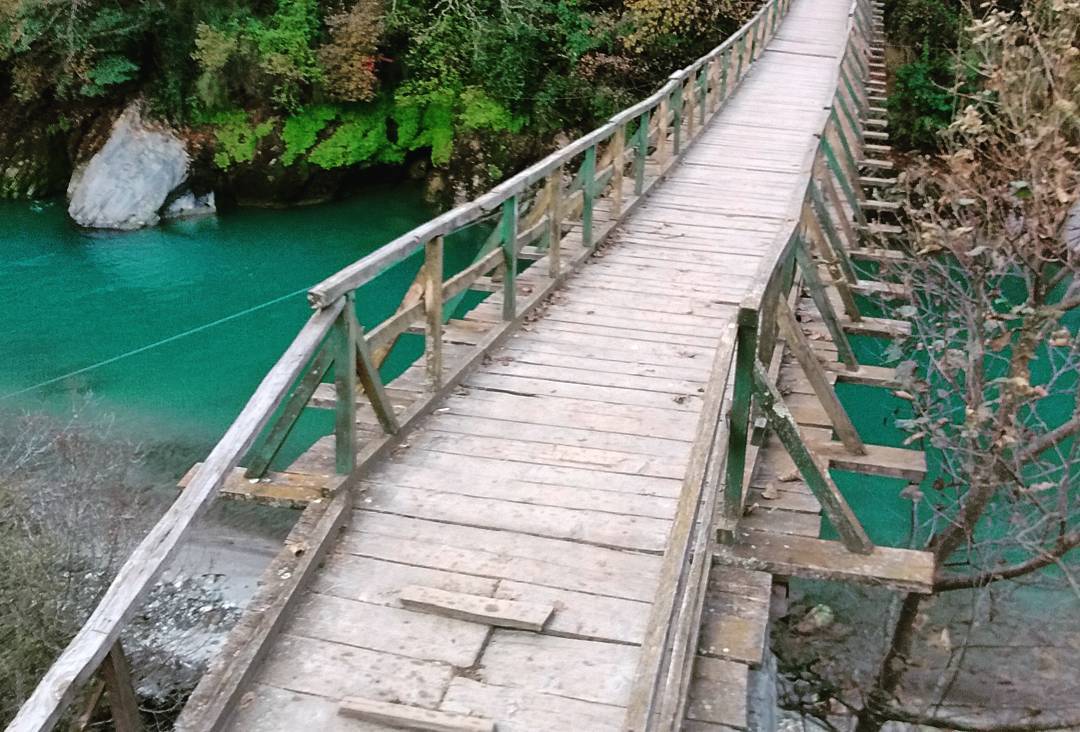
x=71 y=509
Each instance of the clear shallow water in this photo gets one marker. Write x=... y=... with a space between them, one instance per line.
x=69 y=299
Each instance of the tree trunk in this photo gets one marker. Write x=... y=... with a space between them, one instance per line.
x=891 y=671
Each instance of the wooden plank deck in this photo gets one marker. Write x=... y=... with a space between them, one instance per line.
x=550 y=476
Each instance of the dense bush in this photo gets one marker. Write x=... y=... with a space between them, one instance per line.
x=928 y=43
x=357 y=82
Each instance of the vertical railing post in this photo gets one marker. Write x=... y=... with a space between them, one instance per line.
x=509 y=247
x=661 y=133
x=124 y=705
x=554 y=214
x=641 y=153
x=588 y=193
x=715 y=88
x=433 y=309
x=691 y=106
x=739 y=414
x=677 y=118
x=725 y=66
x=618 y=153
x=345 y=336
x=703 y=76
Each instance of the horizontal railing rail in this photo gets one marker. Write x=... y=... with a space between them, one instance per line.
x=742 y=386
x=535 y=215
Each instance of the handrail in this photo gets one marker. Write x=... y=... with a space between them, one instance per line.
x=332 y=336
x=95 y=639
x=718 y=458
x=369 y=267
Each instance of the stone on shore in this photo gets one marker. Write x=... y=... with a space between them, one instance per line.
x=125 y=184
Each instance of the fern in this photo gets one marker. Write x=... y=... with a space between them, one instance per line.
x=237 y=138
x=301 y=130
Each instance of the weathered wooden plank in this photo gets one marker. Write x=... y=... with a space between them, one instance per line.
x=379 y=582
x=335 y=670
x=505 y=555
x=524 y=428
x=583 y=615
x=294 y=490
x=529 y=710
x=799 y=556
x=521 y=451
x=404 y=632
x=468 y=466
x=895 y=462
x=589 y=526
x=457 y=480
x=578 y=669
x=497 y=612
x=409 y=717
x=718 y=692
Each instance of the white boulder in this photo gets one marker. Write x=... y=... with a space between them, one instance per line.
x=125 y=184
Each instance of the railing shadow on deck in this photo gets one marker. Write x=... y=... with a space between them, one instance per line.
x=540 y=214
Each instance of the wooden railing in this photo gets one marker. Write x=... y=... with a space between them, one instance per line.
x=741 y=393
x=537 y=214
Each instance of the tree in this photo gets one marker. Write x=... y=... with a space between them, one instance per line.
x=995 y=321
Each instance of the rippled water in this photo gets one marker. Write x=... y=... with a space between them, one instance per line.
x=70 y=299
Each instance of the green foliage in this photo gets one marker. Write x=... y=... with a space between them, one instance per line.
x=922 y=101
x=360 y=138
x=301 y=131
x=480 y=85
x=106 y=73
x=237 y=137
x=929 y=34
x=72 y=50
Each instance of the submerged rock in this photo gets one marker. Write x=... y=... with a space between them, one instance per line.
x=189 y=205
x=125 y=184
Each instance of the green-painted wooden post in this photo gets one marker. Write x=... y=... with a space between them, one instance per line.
x=817 y=479
x=345 y=337
x=509 y=247
x=739 y=60
x=588 y=177
x=676 y=119
x=641 y=153
x=703 y=88
x=824 y=305
x=264 y=456
x=739 y=414
x=725 y=62
x=832 y=236
x=841 y=177
x=853 y=94
x=854 y=125
x=554 y=215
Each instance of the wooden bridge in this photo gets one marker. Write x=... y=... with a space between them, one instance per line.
x=569 y=513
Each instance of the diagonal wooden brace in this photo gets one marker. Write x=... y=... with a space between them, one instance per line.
x=799 y=345
x=817 y=478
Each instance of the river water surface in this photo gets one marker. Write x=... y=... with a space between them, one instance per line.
x=72 y=299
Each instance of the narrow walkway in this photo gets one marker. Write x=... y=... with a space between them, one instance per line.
x=551 y=477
